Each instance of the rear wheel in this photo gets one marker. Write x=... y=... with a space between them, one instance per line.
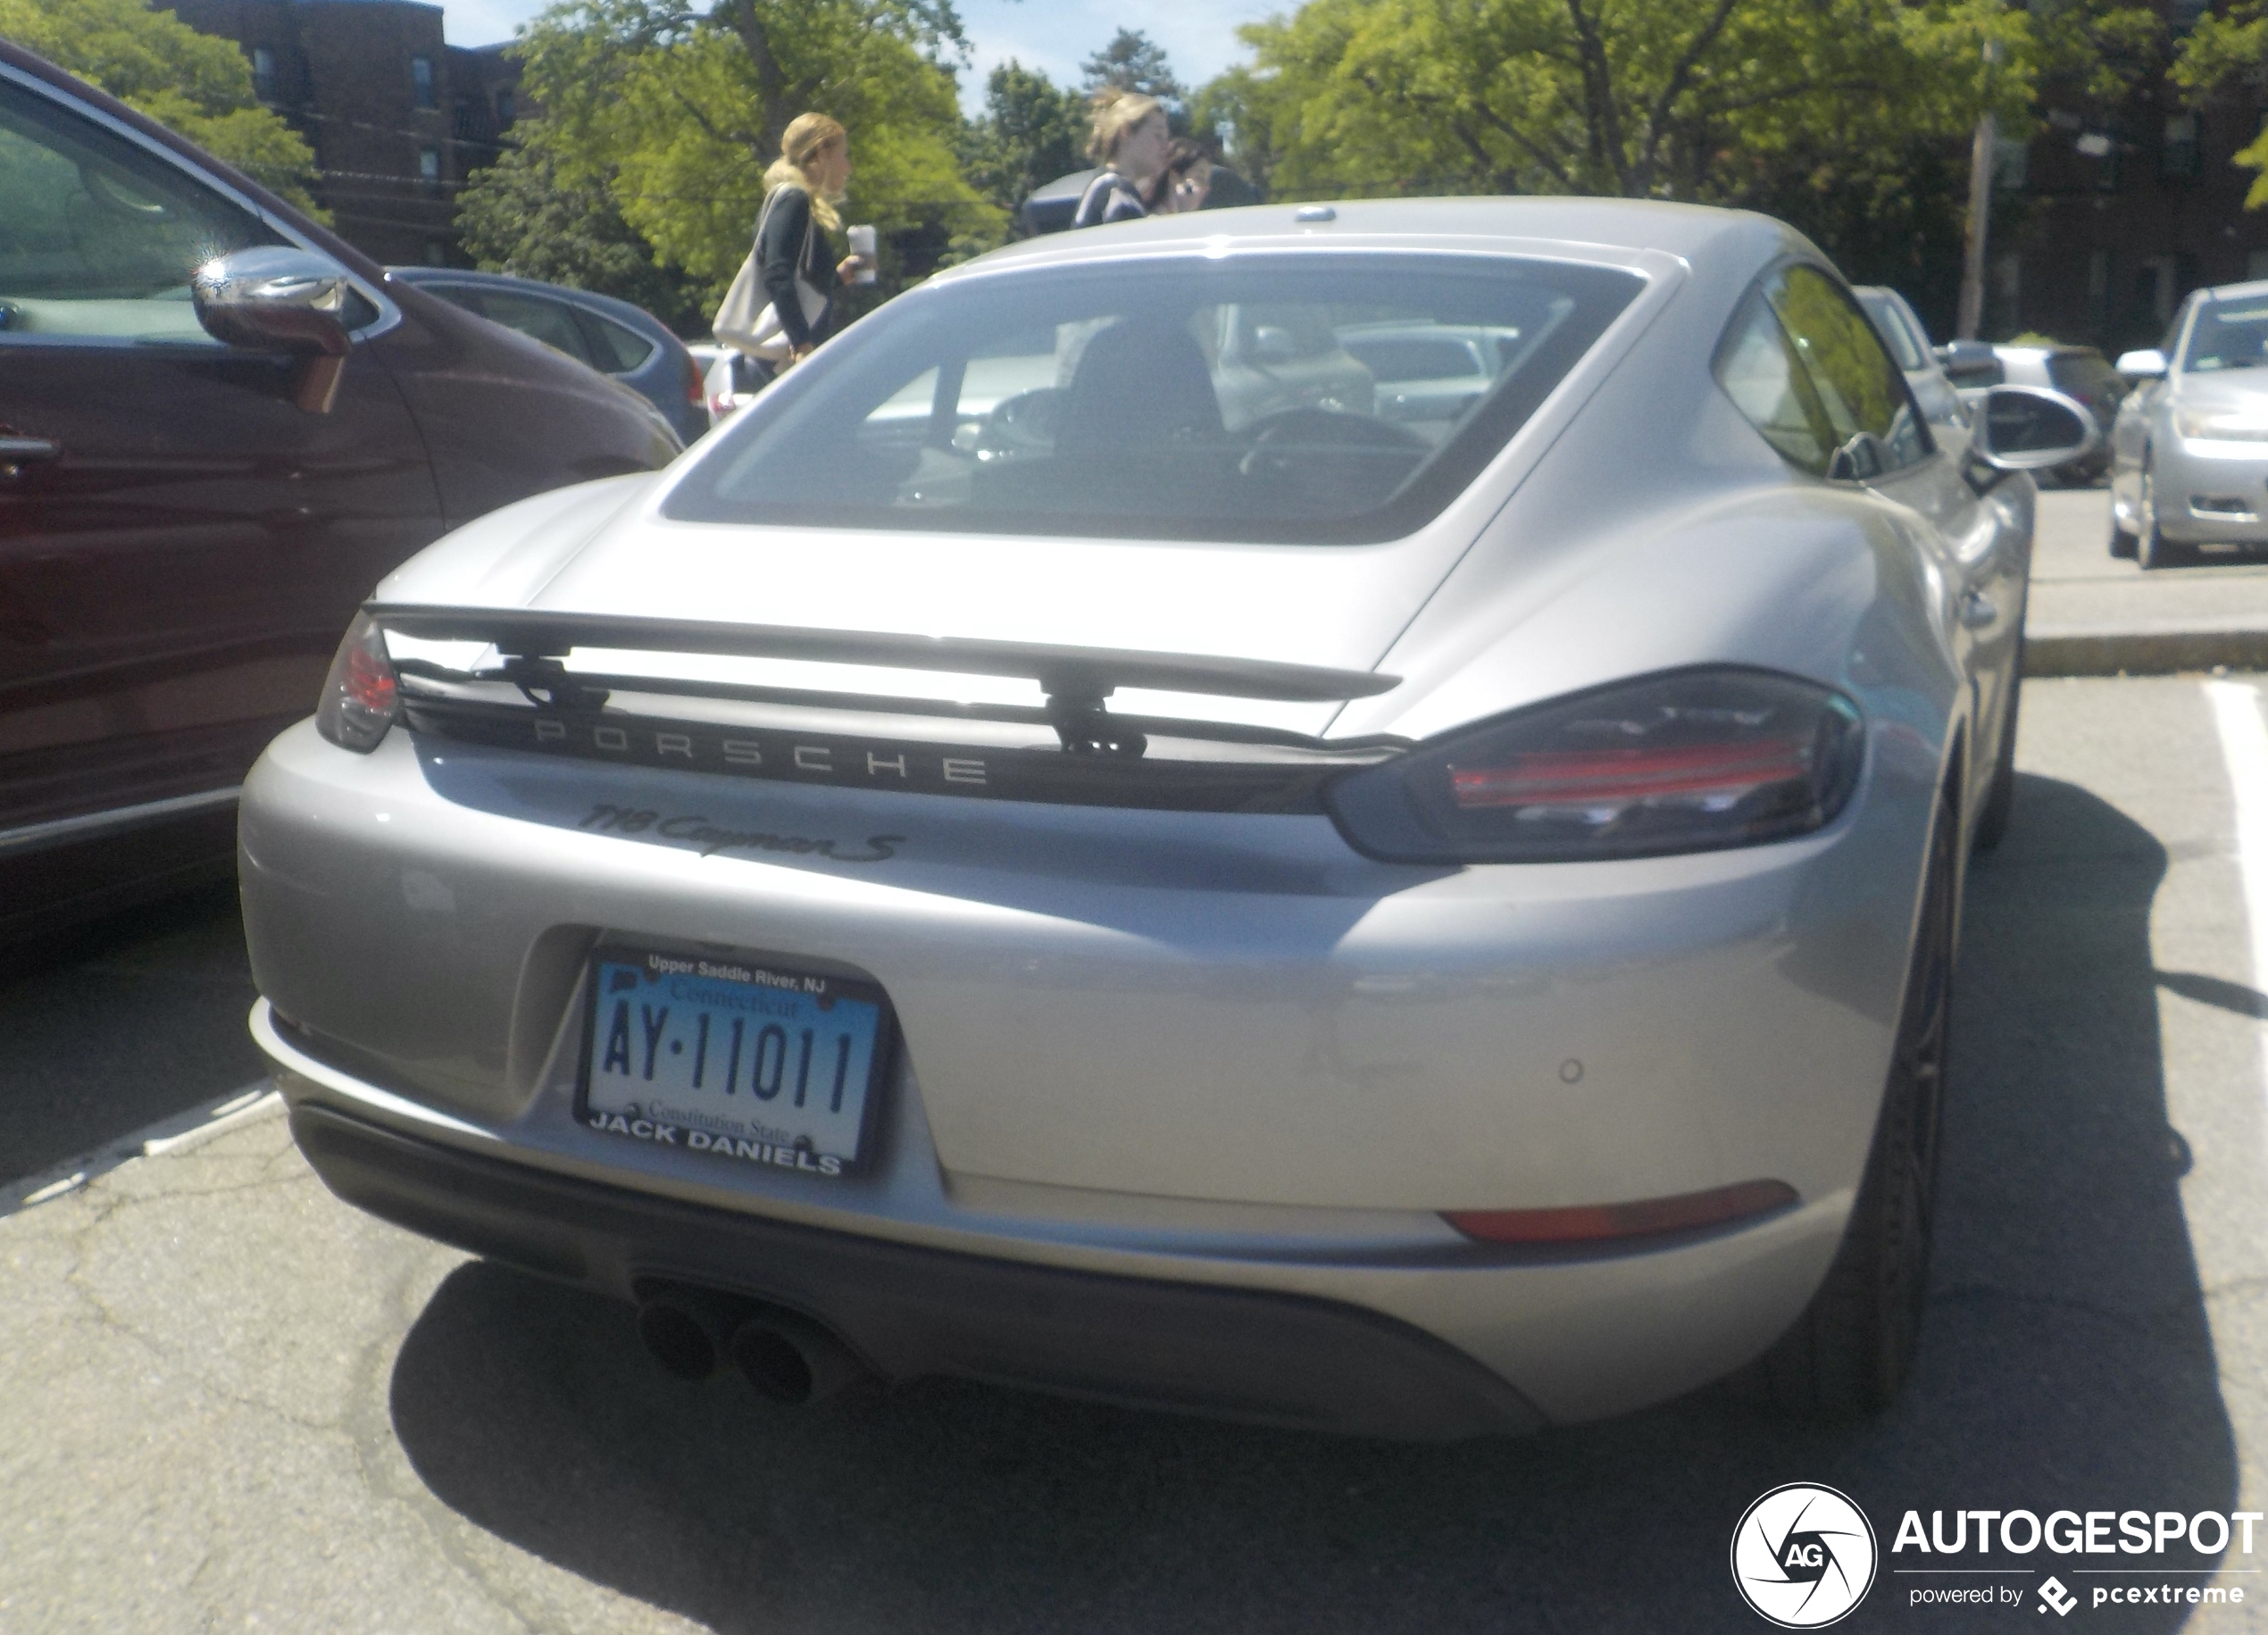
x=1850 y=1351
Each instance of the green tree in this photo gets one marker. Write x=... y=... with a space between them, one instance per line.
x=190 y=82
x=1637 y=99
x=676 y=115
x=2223 y=52
x=1849 y=118
x=1031 y=132
x=518 y=216
x=1234 y=112
x=1133 y=62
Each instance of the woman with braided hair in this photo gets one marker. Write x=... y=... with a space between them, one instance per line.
x=794 y=233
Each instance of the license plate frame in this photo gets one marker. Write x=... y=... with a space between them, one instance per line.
x=782 y=990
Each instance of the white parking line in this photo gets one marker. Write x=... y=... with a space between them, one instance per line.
x=2243 y=751
x=180 y=1133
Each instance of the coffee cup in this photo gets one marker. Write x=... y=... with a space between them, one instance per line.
x=862 y=244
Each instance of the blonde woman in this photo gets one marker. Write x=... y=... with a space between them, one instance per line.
x=794 y=234
x=1130 y=141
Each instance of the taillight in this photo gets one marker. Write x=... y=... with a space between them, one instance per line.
x=1653 y=1217
x=1692 y=760
x=696 y=388
x=359 y=696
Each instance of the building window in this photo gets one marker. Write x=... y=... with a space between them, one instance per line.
x=422 y=82
x=435 y=254
x=428 y=164
x=2179 y=155
x=505 y=110
x=263 y=73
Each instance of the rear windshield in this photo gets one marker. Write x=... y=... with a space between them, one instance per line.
x=2086 y=376
x=1309 y=398
x=2227 y=335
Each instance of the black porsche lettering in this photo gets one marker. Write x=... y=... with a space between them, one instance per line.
x=852 y=762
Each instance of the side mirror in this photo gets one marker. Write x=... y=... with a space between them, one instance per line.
x=2025 y=427
x=279 y=298
x=2147 y=364
x=1970 y=363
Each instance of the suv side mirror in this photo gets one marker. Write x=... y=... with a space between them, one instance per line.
x=2147 y=364
x=2025 y=427
x=279 y=298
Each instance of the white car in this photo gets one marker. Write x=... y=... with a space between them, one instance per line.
x=2190 y=447
x=1023 y=857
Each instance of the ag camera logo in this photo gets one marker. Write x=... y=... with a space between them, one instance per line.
x=1804 y=1556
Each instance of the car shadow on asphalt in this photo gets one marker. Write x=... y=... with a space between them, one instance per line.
x=2066 y=1364
x=109 y=1027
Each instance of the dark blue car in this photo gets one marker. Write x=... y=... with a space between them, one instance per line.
x=612 y=337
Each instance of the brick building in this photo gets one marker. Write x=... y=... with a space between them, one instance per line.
x=397 y=118
x=2110 y=223
x=2108 y=217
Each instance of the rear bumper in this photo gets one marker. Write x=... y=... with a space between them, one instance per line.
x=907 y=1311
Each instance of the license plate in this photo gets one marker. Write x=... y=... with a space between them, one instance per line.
x=734 y=1059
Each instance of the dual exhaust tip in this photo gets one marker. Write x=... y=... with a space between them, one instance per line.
x=695 y=1333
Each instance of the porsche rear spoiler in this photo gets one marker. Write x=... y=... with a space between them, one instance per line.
x=1076 y=680
x=1094 y=672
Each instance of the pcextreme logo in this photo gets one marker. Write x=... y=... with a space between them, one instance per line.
x=1804 y=1556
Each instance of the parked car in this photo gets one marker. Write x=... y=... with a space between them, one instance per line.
x=1895 y=321
x=1050 y=207
x=615 y=337
x=1429 y=374
x=2081 y=372
x=220 y=426
x=2189 y=450
x=1304 y=919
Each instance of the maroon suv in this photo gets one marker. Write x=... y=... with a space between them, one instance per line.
x=219 y=427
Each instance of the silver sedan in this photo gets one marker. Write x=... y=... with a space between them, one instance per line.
x=1188 y=890
x=2189 y=449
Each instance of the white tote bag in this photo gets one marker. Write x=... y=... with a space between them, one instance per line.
x=741 y=325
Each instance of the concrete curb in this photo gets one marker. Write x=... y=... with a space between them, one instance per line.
x=2069 y=651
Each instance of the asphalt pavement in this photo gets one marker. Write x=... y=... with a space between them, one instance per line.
x=228 y=1401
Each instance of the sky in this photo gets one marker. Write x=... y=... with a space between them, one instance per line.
x=1199 y=36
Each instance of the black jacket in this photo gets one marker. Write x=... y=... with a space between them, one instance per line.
x=1109 y=197
x=786 y=233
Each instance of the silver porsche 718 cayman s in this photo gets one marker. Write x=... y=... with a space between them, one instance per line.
x=1345 y=816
